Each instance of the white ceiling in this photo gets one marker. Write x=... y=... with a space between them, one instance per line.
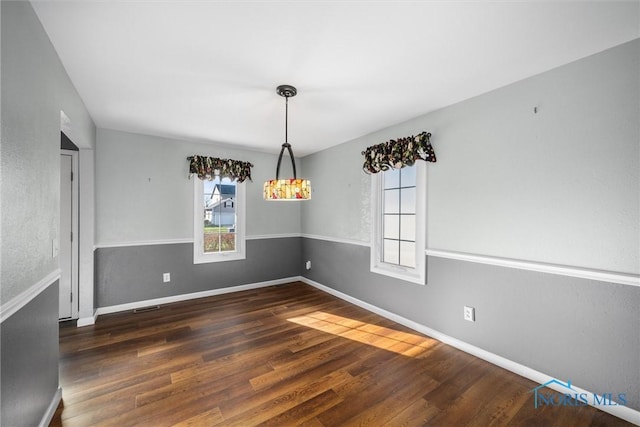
x=207 y=70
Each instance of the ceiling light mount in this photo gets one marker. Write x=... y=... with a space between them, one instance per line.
x=287 y=91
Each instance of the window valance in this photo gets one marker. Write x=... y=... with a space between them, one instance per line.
x=398 y=153
x=209 y=167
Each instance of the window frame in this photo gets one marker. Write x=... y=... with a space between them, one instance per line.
x=199 y=255
x=416 y=274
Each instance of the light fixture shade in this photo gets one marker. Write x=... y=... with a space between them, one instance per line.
x=287 y=189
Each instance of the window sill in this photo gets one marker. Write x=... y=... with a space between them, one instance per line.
x=218 y=257
x=412 y=275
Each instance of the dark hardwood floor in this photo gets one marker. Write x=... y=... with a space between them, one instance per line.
x=284 y=355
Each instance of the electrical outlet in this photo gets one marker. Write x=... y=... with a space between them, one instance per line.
x=308 y=265
x=469 y=314
x=166 y=277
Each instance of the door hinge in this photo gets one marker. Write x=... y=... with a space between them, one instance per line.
x=71 y=175
x=72 y=236
x=71 y=297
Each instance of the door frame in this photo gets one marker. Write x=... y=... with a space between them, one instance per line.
x=75 y=232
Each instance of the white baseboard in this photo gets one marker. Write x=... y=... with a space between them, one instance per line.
x=87 y=321
x=194 y=295
x=51 y=410
x=623 y=412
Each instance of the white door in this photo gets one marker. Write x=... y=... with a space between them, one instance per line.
x=68 y=236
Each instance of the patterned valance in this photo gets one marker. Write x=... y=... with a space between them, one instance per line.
x=209 y=167
x=398 y=154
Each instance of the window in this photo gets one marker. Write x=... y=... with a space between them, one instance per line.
x=398 y=236
x=218 y=220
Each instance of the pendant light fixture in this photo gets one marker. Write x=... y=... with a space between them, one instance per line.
x=293 y=188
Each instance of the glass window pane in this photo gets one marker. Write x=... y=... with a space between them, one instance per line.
x=227 y=242
x=208 y=193
x=219 y=215
x=390 y=251
x=391 y=201
x=209 y=185
x=408 y=176
x=211 y=240
x=215 y=215
x=392 y=178
x=408 y=254
x=408 y=200
x=407 y=227
x=391 y=226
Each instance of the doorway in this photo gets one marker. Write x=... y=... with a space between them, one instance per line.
x=68 y=254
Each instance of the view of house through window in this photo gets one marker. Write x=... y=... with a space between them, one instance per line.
x=399 y=217
x=219 y=215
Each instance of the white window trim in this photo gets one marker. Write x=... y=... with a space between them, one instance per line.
x=199 y=256
x=417 y=274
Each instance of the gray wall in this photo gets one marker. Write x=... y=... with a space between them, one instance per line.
x=144 y=195
x=29 y=363
x=143 y=192
x=560 y=187
x=35 y=88
x=569 y=328
x=134 y=273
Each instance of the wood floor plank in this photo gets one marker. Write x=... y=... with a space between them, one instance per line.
x=418 y=413
x=314 y=422
x=283 y=402
x=464 y=408
x=206 y=418
x=279 y=356
x=374 y=386
x=95 y=386
x=219 y=368
x=113 y=399
x=383 y=411
x=198 y=385
x=343 y=354
x=336 y=367
x=176 y=407
x=501 y=409
x=306 y=411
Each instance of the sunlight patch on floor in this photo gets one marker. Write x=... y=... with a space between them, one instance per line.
x=399 y=342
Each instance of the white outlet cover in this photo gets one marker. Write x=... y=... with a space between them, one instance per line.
x=166 y=277
x=469 y=313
